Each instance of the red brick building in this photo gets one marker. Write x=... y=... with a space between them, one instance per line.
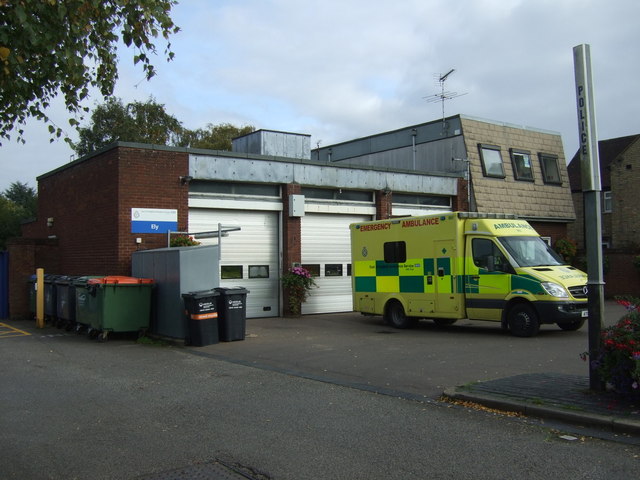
x=290 y=205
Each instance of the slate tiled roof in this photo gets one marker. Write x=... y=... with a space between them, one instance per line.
x=529 y=199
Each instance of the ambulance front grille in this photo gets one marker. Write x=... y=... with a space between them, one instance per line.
x=579 y=291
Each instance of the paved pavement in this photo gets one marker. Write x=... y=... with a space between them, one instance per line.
x=565 y=397
x=562 y=397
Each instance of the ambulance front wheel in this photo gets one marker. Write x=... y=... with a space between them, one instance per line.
x=523 y=320
x=395 y=316
x=572 y=325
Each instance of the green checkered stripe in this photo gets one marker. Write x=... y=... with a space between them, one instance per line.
x=412 y=277
x=409 y=277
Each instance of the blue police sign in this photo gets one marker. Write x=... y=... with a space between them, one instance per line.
x=153 y=220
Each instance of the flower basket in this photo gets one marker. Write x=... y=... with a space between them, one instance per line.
x=297 y=283
x=618 y=361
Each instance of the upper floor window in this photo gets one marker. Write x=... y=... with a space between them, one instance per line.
x=550 y=169
x=491 y=161
x=230 y=188
x=418 y=199
x=337 y=194
x=522 y=168
x=606 y=202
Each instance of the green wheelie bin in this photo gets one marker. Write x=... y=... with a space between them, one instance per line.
x=115 y=304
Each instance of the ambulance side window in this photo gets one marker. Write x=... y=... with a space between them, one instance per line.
x=395 y=252
x=488 y=256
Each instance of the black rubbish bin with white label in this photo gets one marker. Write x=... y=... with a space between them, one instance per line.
x=232 y=309
x=202 y=317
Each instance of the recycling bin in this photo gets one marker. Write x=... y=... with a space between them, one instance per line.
x=86 y=301
x=65 y=301
x=50 y=300
x=202 y=318
x=114 y=304
x=32 y=285
x=232 y=309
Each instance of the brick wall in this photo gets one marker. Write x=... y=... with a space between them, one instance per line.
x=383 y=204
x=550 y=229
x=291 y=228
x=86 y=206
x=291 y=236
x=621 y=276
x=90 y=203
x=461 y=201
x=148 y=179
x=25 y=256
x=625 y=216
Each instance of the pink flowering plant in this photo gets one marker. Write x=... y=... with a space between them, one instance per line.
x=297 y=282
x=618 y=360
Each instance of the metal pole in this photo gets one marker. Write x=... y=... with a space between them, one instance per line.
x=591 y=187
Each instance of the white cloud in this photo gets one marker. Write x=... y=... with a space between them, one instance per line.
x=344 y=69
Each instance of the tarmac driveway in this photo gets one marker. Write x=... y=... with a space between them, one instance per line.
x=360 y=351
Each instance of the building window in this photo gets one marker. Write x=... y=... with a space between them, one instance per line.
x=258 y=271
x=230 y=188
x=606 y=202
x=417 y=199
x=522 y=168
x=491 y=161
x=337 y=194
x=313 y=269
x=333 y=270
x=231 y=272
x=550 y=170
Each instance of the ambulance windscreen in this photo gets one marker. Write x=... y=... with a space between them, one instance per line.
x=531 y=251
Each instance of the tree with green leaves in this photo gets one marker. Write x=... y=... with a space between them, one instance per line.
x=214 y=137
x=149 y=122
x=141 y=122
x=17 y=203
x=51 y=47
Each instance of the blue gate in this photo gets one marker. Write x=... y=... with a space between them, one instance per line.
x=4 y=284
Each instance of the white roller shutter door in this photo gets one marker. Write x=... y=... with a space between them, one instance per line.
x=326 y=243
x=254 y=248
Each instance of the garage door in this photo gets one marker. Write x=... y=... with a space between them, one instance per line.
x=326 y=251
x=249 y=256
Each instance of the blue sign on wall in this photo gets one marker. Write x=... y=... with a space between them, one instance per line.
x=153 y=220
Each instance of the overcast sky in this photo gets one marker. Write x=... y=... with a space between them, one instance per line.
x=342 y=69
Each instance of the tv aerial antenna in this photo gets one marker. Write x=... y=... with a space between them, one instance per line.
x=444 y=94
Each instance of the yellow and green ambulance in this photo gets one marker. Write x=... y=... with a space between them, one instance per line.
x=458 y=265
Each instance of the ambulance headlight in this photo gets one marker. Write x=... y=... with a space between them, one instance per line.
x=555 y=290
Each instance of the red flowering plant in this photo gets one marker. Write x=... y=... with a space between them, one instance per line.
x=618 y=360
x=297 y=282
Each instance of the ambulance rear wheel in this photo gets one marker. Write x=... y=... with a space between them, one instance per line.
x=395 y=316
x=523 y=321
